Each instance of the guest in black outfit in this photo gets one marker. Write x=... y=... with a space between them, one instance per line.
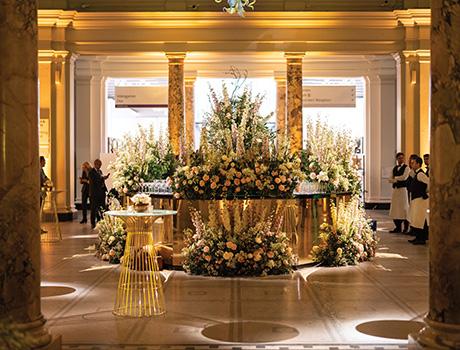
x=43 y=178
x=84 y=181
x=418 y=189
x=97 y=192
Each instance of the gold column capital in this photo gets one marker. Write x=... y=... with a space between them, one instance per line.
x=190 y=81
x=294 y=57
x=176 y=57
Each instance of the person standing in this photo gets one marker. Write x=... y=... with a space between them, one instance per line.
x=84 y=181
x=399 y=198
x=97 y=192
x=44 y=183
x=418 y=189
x=426 y=160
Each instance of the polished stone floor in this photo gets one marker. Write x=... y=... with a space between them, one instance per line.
x=370 y=306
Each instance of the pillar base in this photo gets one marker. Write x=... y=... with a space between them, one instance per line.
x=56 y=344
x=436 y=335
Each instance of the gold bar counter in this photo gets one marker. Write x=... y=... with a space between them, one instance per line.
x=302 y=217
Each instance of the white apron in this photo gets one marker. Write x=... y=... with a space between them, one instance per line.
x=399 y=204
x=418 y=212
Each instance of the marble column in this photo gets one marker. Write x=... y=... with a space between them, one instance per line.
x=190 y=112
x=442 y=329
x=19 y=171
x=176 y=101
x=294 y=100
x=281 y=109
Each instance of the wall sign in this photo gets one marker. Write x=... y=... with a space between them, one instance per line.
x=141 y=96
x=329 y=96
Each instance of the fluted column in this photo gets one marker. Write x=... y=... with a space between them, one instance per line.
x=19 y=170
x=442 y=329
x=176 y=101
x=190 y=112
x=62 y=131
x=294 y=100
x=281 y=109
x=414 y=80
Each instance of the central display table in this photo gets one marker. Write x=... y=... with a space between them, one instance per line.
x=140 y=289
x=302 y=217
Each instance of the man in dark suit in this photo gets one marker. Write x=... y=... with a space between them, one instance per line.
x=44 y=182
x=97 y=192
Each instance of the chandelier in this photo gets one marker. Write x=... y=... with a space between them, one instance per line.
x=238 y=6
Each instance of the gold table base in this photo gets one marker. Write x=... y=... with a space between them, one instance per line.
x=49 y=221
x=140 y=288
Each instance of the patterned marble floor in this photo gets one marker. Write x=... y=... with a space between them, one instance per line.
x=371 y=306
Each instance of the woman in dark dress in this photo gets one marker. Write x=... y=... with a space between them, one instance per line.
x=84 y=181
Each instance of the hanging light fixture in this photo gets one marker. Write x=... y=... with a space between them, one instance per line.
x=238 y=6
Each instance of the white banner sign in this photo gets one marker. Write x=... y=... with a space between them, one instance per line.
x=141 y=96
x=329 y=96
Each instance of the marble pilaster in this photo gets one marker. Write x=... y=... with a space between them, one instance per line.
x=176 y=101
x=190 y=112
x=442 y=329
x=294 y=100
x=19 y=170
x=62 y=131
x=281 y=109
x=414 y=80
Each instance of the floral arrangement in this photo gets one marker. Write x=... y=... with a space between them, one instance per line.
x=112 y=236
x=349 y=240
x=141 y=199
x=238 y=6
x=228 y=245
x=141 y=159
x=328 y=158
x=237 y=157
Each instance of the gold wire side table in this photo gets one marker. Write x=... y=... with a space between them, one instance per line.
x=140 y=289
x=49 y=220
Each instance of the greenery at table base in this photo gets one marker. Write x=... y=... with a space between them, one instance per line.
x=112 y=239
x=141 y=159
x=328 y=158
x=238 y=157
x=228 y=245
x=349 y=240
x=12 y=337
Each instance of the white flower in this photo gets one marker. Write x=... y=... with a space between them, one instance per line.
x=141 y=199
x=313 y=176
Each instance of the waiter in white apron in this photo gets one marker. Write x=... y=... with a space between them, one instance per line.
x=418 y=190
x=399 y=200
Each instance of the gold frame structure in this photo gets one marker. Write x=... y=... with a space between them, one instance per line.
x=140 y=288
x=53 y=233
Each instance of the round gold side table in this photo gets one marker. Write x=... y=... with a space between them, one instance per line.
x=140 y=289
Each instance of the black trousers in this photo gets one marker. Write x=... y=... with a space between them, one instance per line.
x=97 y=208
x=84 y=204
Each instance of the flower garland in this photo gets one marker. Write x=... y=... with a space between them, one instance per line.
x=328 y=158
x=237 y=157
x=349 y=240
x=227 y=245
x=141 y=159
